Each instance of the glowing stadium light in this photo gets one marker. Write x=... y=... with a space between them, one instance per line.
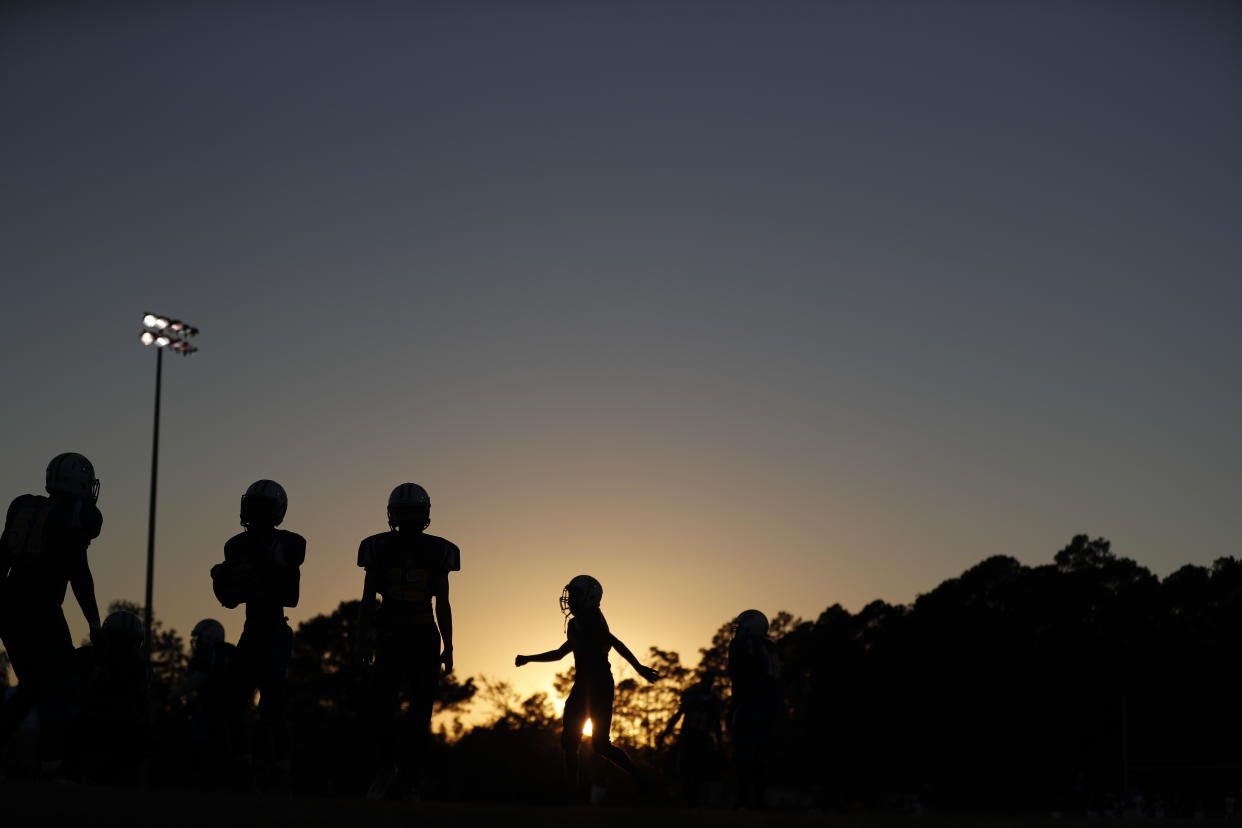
x=163 y=331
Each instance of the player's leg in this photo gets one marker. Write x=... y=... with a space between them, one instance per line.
x=273 y=695
x=571 y=731
x=55 y=658
x=423 y=676
x=244 y=676
x=382 y=700
x=22 y=652
x=600 y=709
x=746 y=733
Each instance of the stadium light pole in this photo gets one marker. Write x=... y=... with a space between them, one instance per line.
x=162 y=332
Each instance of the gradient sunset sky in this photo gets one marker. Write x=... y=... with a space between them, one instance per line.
x=731 y=305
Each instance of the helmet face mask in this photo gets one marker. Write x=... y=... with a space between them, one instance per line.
x=582 y=593
x=409 y=506
x=751 y=622
x=264 y=504
x=71 y=473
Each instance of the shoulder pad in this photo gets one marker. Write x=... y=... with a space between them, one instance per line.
x=452 y=557
x=292 y=548
x=444 y=552
x=91 y=520
x=234 y=545
x=26 y=501
x=369 y=549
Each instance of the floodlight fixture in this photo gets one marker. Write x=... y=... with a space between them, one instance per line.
x=163 y=331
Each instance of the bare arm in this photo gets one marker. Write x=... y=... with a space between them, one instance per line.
x=366 y=618
x=671 y=724
x=551 y=655
x=83 y=584
x=444 y=619
x=643 y=670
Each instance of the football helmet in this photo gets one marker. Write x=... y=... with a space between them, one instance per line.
x=264 y=502
x=207 y=633
x=409 y=504
x=582 y=592
x=751 y=622
x=123 y=628
x=71 y=473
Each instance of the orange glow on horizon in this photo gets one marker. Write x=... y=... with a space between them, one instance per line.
x=588 y=728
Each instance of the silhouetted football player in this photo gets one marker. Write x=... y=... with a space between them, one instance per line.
x=753 y=671
x=42 y=551
x=260 y=570
x=588 y=637
x=110 y=737
x=407 y=568
x=699 y=739
x=207 y=687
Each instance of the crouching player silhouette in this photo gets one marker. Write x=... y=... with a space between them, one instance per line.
x=207 y=688
x=754 y=672
x=110 y=738
x=588 y=637
x=699 y=739
x=407 y=568
x=260 y=570
x=42 y=551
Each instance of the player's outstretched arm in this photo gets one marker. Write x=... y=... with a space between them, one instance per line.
x=551 y=655
x=672 y=723
x=640 y=668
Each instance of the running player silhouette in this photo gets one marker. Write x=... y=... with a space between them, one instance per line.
x=588 y=638
x=407 y=568
x=42 y=551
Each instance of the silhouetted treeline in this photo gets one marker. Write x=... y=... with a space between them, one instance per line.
x=1011 y=686
x=1069 y=686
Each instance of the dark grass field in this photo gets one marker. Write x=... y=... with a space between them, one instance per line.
x=23 y=804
